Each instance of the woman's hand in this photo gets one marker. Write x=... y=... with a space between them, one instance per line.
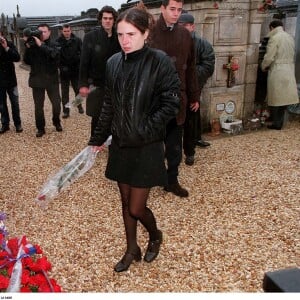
x=98 y=148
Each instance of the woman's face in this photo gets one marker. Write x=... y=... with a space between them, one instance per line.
x=130 y=38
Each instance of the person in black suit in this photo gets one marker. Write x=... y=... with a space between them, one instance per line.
x=98 y=46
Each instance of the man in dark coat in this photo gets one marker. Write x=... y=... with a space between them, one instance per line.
x=98 y=46
x=205 y=66
x=8 y=84
x=43 y=57
x=70 y=51
x=177 y=42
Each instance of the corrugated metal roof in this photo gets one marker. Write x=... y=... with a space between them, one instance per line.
x=34 y=21
x=283 y=3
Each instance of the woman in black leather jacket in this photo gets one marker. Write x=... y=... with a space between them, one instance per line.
x=142 y=89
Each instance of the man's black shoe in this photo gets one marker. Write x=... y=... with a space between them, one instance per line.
x=177 y=190
x=274 y=127
x=4 y=129
x=40 y=133
x=80 y=109
x=58 y=128
x=202 y=143
x=19 y=129
x=189 y=160
x=66 y=115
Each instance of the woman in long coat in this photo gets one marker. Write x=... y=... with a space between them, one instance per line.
x=279 y=61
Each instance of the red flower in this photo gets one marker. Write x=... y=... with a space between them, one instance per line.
x=266 y=4
x=234 y=66
x=12 y=244
x=41 y=264
x=10 y=268
x=38 y=249
x=25 y=289
x=45 y=288
x=25 y=279
x=27 y=262
x=4 y=282
x=3 y=254
x=37 y=280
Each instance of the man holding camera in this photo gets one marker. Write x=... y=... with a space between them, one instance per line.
x=8 y=84
x=70 y=50
x=43 y=57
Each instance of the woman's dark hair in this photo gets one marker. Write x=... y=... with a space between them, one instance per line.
x=137 y=16
x=107 y=9
x=275 y=23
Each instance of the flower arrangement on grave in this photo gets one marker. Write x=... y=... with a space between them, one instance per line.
x=262 y=113
x=232 y=65
x=23 y=267
x=267 y=4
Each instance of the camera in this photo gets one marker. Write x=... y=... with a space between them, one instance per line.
x=30 y=33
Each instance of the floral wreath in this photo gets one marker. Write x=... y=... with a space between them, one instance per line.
x=23 y=267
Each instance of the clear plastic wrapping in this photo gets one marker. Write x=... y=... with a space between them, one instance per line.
x=74 y=169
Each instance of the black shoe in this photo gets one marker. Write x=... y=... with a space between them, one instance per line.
x=58 y=128
x=153 y=248
x=4 y=128
x=40 y=133
x=189 y=160
x=177 y=190
x=19 y=129
x=274 y=127
x=127 y=259
x=80 y=109
x=202 y=143
x=66 y=115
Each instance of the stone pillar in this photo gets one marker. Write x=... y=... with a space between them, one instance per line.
x=297 y=44
x=256 y=19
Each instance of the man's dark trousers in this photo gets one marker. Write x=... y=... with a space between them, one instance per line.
x=39 y=99
x=173 y=150
x=65 y=79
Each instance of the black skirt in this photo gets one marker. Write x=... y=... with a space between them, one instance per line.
x=142 y=167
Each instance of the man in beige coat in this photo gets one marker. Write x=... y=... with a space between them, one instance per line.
x=279 y=62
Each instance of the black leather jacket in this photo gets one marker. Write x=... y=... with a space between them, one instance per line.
x=142 y=91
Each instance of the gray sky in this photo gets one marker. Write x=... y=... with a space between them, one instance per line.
x=31 y=8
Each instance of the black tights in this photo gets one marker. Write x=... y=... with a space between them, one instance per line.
x=134 y=208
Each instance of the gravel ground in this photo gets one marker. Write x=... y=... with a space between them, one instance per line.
x=240 y=220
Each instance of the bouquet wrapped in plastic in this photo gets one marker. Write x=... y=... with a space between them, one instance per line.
x=76 y=102
x=74 y=169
